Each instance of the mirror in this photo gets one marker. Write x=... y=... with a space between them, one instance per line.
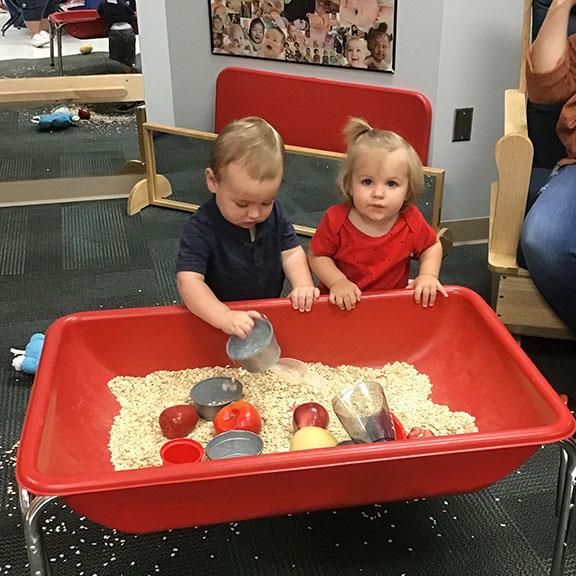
x=176 y=159
x=95 y=157
x=74 y=40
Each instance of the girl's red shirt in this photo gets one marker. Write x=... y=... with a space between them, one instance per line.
x=372 y=263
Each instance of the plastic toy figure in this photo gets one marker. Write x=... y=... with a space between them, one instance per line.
x=27 y=360
x=59 y=119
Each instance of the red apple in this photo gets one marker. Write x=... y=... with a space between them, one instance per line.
x=310 y=414
x=178 y=421
x=84 y=113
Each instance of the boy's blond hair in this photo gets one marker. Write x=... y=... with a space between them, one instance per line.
x=360 y=136
x=252 y=142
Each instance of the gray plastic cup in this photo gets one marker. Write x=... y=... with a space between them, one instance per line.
x=233 y=444
x=259 y=351
x=212 y=394
x=363 y=411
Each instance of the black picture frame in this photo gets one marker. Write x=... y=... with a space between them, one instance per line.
x=359 y=34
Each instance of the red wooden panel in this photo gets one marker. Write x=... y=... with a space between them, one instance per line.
x=311 y=112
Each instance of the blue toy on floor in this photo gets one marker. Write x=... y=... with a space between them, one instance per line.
x=27 y=360
x=59 y=119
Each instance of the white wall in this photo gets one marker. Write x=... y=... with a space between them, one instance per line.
x=479 y=59
x=455 y=53
x=155 y=49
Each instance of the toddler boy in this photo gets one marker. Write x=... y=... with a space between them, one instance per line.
x=239 y=245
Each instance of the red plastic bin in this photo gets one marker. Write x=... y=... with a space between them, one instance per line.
x=473 y=362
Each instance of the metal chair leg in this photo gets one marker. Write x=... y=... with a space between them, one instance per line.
x=31 y=509
x=60 y=61
x=564 y=504
x=51 y=42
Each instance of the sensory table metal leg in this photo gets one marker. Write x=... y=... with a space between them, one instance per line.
x=31 y=509
x=564 y=504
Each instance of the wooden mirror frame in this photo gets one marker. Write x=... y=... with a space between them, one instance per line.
x=155 y=188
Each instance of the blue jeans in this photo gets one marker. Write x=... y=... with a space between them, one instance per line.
x=548 y=243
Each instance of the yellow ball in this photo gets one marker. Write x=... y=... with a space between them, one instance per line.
x=86 y=48
x=312 y=437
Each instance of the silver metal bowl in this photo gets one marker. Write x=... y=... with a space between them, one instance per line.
x=233 y=444
x=214 y=393
x=259 y=351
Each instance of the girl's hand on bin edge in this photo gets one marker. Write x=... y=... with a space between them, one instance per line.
x=345 y=294
x=302 y=297
x=425 y=287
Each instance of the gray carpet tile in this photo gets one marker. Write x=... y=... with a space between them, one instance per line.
x=101 y=165
x=13 y=225
x=83 y=234
x=16 y=169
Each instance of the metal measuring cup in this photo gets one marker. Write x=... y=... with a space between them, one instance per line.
x=259 y=351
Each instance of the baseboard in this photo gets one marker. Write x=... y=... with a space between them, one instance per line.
x=468 y=231
x=56 y=190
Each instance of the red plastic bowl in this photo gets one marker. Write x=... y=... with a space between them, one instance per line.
x=474 y=365
x=181 y=451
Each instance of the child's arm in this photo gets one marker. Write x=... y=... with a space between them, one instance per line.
x=426 y=283
x=343 y=293
x=202 y=302
x=295 y=266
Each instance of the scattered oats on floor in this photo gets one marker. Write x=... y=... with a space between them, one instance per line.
x=135 y=436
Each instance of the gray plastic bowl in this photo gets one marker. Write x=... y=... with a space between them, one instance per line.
x=214 y=393
x=233 y=444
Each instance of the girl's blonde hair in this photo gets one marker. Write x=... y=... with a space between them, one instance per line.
x=252 y=142
x=359 y=137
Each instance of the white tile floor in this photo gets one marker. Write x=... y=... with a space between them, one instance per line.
x=16 y=44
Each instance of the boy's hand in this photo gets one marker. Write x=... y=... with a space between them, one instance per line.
x=302 y=297
x=345 y=294
x=239 y=322
x=425 y=287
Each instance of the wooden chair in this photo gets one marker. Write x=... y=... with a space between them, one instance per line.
x=525 y=155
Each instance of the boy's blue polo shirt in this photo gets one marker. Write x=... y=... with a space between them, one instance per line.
x=234 y=267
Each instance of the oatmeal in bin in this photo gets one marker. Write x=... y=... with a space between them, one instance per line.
x=136 y=437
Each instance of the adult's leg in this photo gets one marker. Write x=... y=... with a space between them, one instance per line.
x=49 y=7
x=34 y=18
x=549 y=243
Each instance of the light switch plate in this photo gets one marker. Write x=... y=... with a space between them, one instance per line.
x=462 y=130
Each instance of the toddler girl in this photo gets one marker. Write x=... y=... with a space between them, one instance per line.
x=366 y=243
